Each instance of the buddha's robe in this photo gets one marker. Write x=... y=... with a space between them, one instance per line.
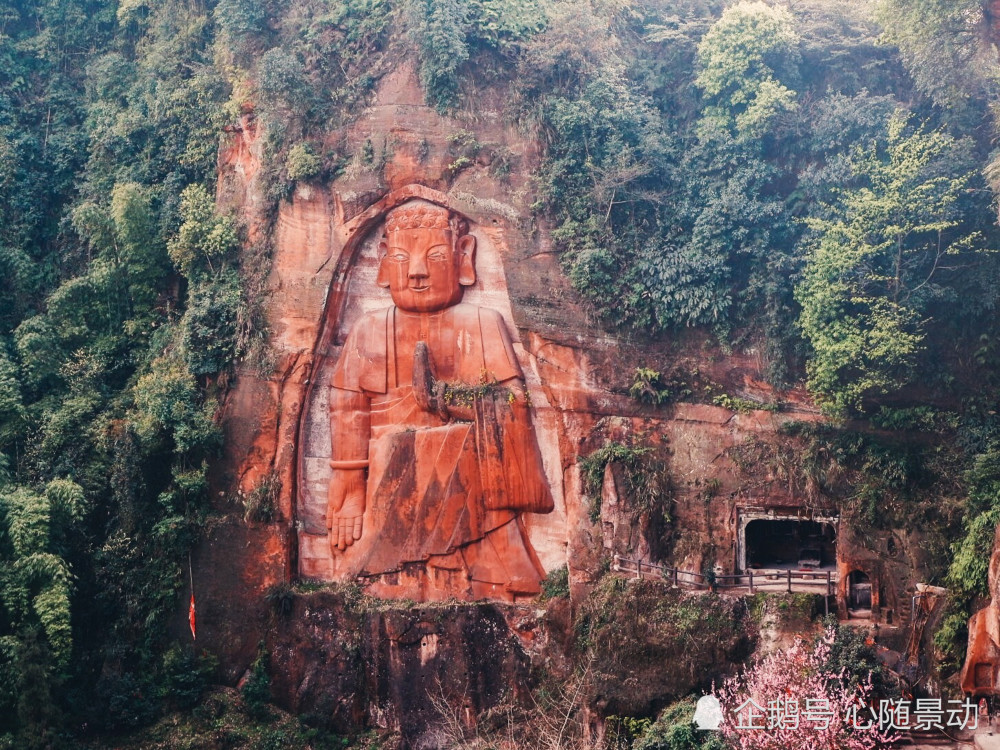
x=444 y=492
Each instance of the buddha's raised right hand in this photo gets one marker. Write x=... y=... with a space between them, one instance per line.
x=345 y=508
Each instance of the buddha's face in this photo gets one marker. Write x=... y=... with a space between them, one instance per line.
x=424 y=267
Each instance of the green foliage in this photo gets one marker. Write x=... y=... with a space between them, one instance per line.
x=438 y=28
x=970 y=566
x=281 y=598
x=968 y=575
x=742 y=405
x=446 y=32
x=854 y=660
x=740 y=62
x=186 y=676
x=878 y=483
x=669 y=210
x=917 y=418
x=36 y=589
x=873 y=266
x=501 y=24
x=646 y=482
x=942 y=44
x=302 y=163
x=261 y=504
x=463 y=146
x=664 y=209
x=105 y=119
x=674 y=729
x=36 y=586
x=952 y=636
x=217 y=718
x=648 y=387
x=788 y=611
x=342 y=47
x=631 y=629
x=208 y=328
x=203 y=236
x=168 y=405
x=256 y=690
x=129 y=700
x=118 y=451
x=556 y=584
x=609 y=158
x=282 y=82
x=241 y=20
x=621 y=731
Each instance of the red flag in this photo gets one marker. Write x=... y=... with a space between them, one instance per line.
x=191 y=617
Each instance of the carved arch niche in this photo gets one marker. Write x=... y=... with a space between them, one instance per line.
x=353 y=293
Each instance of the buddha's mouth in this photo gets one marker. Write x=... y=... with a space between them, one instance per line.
x=420 y=288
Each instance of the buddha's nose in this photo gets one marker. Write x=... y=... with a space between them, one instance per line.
x=418 y=267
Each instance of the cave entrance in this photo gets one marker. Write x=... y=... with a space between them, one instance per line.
x=859 y=592
x=789 y=544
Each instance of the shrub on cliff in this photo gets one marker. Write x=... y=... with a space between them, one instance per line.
x=256 y=688
x=674 y=729
x=649 y=643
x=301 y=163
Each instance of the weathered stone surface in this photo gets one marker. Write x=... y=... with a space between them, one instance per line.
x=233 y=569
x=409 y=671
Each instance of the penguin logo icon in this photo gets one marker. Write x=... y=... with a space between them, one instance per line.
x=708 y=712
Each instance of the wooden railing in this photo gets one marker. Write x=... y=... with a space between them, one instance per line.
x=751 y=581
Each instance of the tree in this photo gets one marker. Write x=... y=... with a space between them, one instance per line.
x=949 y=46
x=741 y=62
x=203 y=236
x=783 y=684
x=729 y=211
x=875 y=263
x=36 y=634
x=438 y=27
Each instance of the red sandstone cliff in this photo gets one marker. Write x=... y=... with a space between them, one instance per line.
x=577 y=374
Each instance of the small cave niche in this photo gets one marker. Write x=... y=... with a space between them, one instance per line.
x=790 y=544
x=983 y=675
x=859 y=592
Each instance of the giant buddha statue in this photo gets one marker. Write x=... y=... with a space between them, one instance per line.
x=433 y=456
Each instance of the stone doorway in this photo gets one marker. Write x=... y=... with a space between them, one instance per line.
x=787 y=543
x=859 y=593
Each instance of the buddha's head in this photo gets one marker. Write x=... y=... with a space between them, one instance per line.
x=427 y=256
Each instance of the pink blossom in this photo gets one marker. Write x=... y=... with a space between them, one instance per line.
x=790 y=701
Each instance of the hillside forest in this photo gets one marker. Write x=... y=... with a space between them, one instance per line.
x=814 y=179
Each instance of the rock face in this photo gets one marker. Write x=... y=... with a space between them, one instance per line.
x=981 y=671
x=415 y=672
x=324 y=284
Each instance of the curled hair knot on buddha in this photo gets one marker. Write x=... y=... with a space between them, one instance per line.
x=424 y=215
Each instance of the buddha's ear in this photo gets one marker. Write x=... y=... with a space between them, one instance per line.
x=383 y=272
x=466 y=260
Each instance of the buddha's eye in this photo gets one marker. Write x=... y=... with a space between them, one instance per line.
x=399 y=256
x=437 y=255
